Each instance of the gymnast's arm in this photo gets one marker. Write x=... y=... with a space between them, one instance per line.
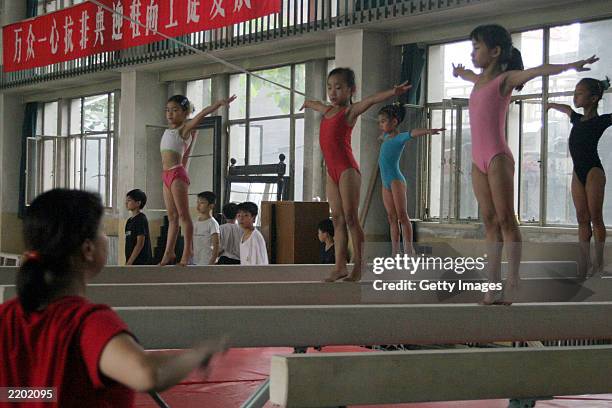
x=363 y=105
x=424 y=132
x=466 y=74
x=193 y=123
x=315 y=105
x=517 y=78
x=126 y=362
x=561 y=108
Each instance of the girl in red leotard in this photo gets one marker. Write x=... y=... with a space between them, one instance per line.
x=343 y=177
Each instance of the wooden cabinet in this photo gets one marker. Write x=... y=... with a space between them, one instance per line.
x=290 y=230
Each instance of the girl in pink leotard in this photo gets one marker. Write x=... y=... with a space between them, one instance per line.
x=174 y=148
x=343 y=177
x=492 y=160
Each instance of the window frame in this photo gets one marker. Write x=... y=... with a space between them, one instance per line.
x=63 y=153
x=293 y=116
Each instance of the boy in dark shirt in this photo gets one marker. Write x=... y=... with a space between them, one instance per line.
x=137 y=238
x=326 y=236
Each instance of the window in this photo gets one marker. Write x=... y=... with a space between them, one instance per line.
x=73 y=147
x=42 y=152
x=47 y=6
x=543 y=165
x=91 y=152
x=265 y=120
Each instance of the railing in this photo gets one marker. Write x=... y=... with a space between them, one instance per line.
x=296 y=17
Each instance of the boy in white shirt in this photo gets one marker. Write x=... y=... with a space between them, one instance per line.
x=252 y=246
x=230 y=235
x=206 y=231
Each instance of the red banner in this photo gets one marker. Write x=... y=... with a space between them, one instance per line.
x=87 y=28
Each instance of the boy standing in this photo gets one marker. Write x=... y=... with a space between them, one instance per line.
x=137 y=238
x=252 y=246
x=206 y=231
x=230 y=236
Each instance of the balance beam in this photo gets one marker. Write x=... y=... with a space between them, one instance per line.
x=296 y=326
x=320 y=293
x=202 y=274
x=282 y=273
x=333 y=379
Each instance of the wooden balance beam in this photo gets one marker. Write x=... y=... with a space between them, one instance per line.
x=333 y=379
x=319 y=293
x=277 y=273
x=296 y=326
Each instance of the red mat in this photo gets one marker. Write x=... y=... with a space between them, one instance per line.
x=235 y=376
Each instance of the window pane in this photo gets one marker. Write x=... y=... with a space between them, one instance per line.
x=578 y=41
x=237 y=144
x=75 y=117
x=298 y=182
x=254 y=192
x=449 y=171
x=32 y=169
x=513 y=137
x=95 y=112
x=530 y=161
x=559 y=205
x=109 y=200
x=300 y=85
x=48 y=162
x=268 y=139
x=39 y=120
x=435 y=169
x=605 y=153
x=531 y=45
x=468 y=206
x=75 y=163
x=201 y=162
x=441 y=84
x=237 y=109
x=95 y=166
x=198 y=93
x=112 y=112
x=51 y=5
x=331 y=65
x=267 y=99
x=50 y=119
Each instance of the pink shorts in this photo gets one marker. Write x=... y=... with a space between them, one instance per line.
x=178 y=172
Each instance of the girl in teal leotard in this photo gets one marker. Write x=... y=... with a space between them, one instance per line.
x=393 y=181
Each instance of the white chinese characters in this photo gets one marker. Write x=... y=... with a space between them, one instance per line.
x=117 y=21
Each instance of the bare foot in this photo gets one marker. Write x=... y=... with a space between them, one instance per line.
x=336 y=275
x=186 y=259
x=495 y=298
x=584 y=270
x=355 y=275
x=494 y=301
x=513 y=283
x=168 y=259
x=595 y=270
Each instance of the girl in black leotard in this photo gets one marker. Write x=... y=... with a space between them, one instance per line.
x=589 y=179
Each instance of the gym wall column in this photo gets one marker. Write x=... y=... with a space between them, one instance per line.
x=314 y=169
x=376 y=67
x=219 y=85
x=11 y=114
x=143 y=100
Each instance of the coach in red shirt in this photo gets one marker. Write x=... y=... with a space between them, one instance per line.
x=51 y=336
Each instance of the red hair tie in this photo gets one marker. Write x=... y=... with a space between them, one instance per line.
x=32 y=256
